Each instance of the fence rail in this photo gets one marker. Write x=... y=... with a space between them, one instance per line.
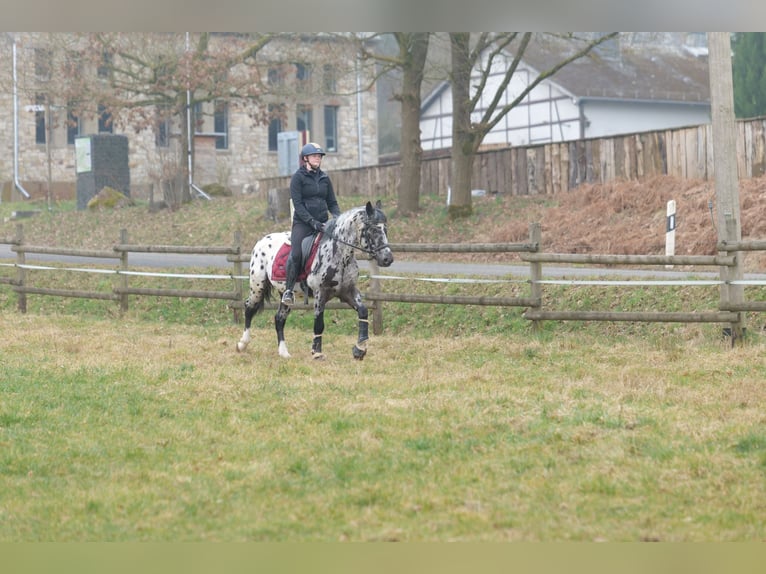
x=729 y=308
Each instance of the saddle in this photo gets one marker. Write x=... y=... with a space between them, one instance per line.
x=310 y=245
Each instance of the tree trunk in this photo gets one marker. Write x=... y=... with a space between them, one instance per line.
x=462 y=136
x=175 y=190
x=414 y=47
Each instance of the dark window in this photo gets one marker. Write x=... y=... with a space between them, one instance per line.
x=221 y=125
x=275 y=77
x=40 y=127
x=105 y=68
x=303 y=77
x=331 y=128
x=275 y=125
x=72 y=125
x=104 y=119
x=303 y=117
x=197 y=118
x=43 y=58
x=329 y=80
x=162 y=133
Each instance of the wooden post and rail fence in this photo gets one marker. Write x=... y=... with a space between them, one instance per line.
x=730 y=307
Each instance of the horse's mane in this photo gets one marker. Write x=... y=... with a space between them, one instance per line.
x=333 y=223
x=330 y=226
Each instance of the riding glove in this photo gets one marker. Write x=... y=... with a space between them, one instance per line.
x=317 y=225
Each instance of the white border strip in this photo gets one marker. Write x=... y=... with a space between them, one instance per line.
x=629 y=283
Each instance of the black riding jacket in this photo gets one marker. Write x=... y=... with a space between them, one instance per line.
x=313 y=196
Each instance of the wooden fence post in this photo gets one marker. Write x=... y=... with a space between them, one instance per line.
x=536 y=271
x=377 y=311
x=123 y=281
x=733 y=295
x=725 y=162
x=21 y=276
x=236 y=316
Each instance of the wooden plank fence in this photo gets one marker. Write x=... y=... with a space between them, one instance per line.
x=727 y=312
x=120 y=253
x=556 y=167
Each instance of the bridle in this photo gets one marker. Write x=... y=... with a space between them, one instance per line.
x=369 y=251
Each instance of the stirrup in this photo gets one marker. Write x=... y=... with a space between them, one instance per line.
x=288 y=297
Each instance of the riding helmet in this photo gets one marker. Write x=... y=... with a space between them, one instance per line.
x=311 y=148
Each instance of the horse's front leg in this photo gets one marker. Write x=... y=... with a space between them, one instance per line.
x=316 y=344
x=360 y=349
x=279 y=324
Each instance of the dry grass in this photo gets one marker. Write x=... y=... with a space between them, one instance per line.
x=459 y=425
x=144 y=431
x=619 y=217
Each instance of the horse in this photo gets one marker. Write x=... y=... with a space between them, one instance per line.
x=331 y=271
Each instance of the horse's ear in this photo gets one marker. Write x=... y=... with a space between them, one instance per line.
x=378 y=205
x=370 y=210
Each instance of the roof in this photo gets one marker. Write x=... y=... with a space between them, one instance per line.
x=650 y=68
x=655 y=71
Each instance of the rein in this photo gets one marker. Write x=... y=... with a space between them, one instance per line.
x=370 y=252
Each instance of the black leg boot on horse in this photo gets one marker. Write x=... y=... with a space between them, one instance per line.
x=288 y=297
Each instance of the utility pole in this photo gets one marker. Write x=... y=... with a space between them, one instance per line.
x=725 y=167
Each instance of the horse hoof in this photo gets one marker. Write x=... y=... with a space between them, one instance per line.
x=241 y=347
x=358 y=353
x=318 y=356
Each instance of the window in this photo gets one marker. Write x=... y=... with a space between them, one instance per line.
x=329 y=79
x=302 y=77
x=72 y=124
x=73 y=63
x=104 y=70
x=197 y=119
x=40 y=127
x=43 y=59
x=275 y=77
x=331 y=128
x=221 y=124
x=104 y=119
x=276 y=112
x=162 y=128
x=303 y=117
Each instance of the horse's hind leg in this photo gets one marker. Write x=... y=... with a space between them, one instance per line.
x=250 y=311
x=279 y=324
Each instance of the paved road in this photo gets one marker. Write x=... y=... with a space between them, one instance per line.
x=159 y=260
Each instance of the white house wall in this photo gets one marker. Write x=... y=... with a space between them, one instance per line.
x=546 y=114
x=611 y=117
x=551 y=114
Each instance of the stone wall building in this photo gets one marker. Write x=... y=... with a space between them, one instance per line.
x=311 y=84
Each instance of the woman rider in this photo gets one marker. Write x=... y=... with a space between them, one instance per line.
x=313 y=197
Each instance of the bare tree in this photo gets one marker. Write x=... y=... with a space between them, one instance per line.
x=478 y=53
x=409 y=61
x=144 y=80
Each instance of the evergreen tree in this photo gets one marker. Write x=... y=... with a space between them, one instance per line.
x=749 y=74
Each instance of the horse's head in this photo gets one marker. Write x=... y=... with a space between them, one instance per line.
x=374 y=238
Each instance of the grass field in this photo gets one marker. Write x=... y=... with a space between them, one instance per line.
x=460 y=425
x=157 y=430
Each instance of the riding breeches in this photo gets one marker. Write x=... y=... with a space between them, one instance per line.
x=299 y=232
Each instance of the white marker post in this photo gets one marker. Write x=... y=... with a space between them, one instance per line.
x=670 y=230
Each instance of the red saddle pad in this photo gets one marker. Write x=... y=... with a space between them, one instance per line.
x=279 y=267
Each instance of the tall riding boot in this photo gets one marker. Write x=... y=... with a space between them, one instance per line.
x=288 y=297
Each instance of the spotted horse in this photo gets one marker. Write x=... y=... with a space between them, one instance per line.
x=333 y=272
